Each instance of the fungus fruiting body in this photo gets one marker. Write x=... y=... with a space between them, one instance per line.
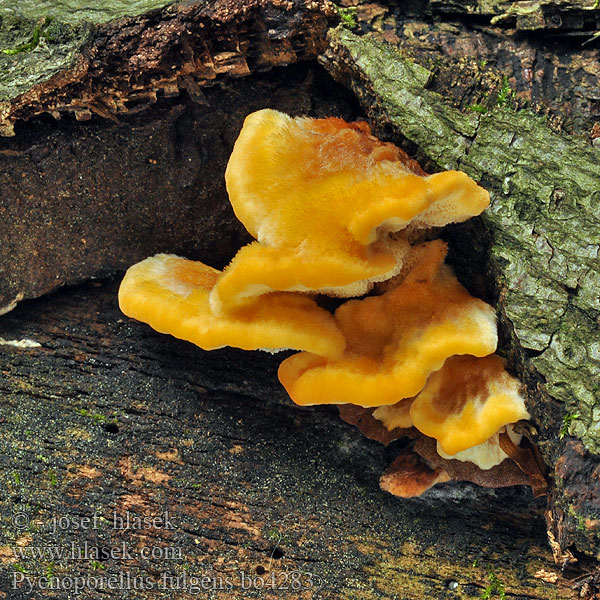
x=320 y=196
x=464 y=406
x=467 y=402
x=396 y=340
x=333 y=211
x=489 y=453
x=171 y=294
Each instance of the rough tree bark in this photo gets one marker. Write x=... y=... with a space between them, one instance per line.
x=122 y=56
x=541 y=240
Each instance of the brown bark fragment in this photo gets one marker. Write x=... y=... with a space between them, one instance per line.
x=131 y=62
x=369 y=425
x=505 y=474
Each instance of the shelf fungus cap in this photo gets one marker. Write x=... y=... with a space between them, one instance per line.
x=396 y=340
x=467 y=403
x=488 y=454
x=321 y=197
x=171 y=294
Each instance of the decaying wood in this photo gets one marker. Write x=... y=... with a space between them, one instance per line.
x=81 y=200
x=117 y=67
x=545 y=51
x=538 y=244
x=578 y=16
x=106 y=416
x=100 y=415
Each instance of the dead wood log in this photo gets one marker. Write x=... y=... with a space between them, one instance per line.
x=547 y=53
x=121 y=406
x=100 y=415
x=118 y=58
x=83 y=199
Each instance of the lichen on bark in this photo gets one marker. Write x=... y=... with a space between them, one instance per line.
x=537 y=244
x=63 y=28
x=24 y=63
x=80 y=11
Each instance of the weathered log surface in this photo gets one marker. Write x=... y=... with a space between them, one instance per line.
x=539 y=246
x=529 y=15
x=555 y=69
x=72 y=59
x=82 y=200
x=99 y=414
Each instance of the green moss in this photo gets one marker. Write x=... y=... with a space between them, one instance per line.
x=52 y=478
x=272 y=534
x=49 y=570
x=478 y=108
x=96 y=417
x=506 y=95
x=275 y=535
x=567 y=420
x=37 y=34
x=581 y=526
x=349 y=16
x=495 y=588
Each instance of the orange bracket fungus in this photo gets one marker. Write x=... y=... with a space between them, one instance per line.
x=171 y=294
x=396 y=340
x=466 y=404
x=321 y=196
x=333 y=210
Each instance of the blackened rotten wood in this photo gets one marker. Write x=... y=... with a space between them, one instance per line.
x=546 y=52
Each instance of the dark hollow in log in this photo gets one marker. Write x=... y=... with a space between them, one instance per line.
x=82 y=200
